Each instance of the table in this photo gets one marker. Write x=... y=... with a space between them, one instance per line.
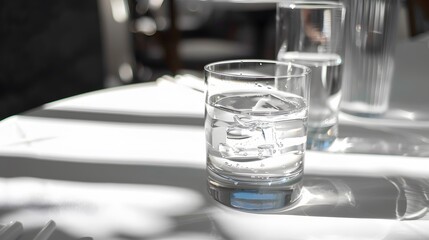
x=129 y=163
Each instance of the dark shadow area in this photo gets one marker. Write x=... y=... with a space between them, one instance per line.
x=116 y=117
x=418 y=16
x=392 y=197
x=85 y=171
x=49 y=50
x=352 y=138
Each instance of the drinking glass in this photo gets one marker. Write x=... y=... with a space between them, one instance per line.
x=370 y=41
x=256 y=128
x=312 y=33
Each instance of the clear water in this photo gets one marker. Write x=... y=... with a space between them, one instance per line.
x=255 y=138
x=310 y=33
x=326 y=70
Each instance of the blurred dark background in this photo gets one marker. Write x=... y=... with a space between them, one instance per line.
x=53 y=49
x=172 y=36
x=48 y=50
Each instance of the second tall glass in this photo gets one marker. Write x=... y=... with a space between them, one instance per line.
x=311 y=33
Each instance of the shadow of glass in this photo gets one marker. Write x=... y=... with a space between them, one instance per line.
x=363 y=197
x=336 y=196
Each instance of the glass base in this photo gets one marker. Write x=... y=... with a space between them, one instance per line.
x=361 y=109
x=255 y=198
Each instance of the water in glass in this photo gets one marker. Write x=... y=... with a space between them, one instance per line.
x=326 y=70
x=255 y=138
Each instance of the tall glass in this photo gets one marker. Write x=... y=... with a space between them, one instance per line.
x=312 y=33
x=370 y=41
x=256 y=125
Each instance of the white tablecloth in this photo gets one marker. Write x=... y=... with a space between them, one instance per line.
x=129 y=163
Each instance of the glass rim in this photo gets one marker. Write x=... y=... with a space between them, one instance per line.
x=305 y=73
x=316 y=3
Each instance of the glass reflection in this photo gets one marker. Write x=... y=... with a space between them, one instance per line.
x=337 y=196
x=258 y=199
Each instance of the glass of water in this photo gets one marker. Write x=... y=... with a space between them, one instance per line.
x=256 y=131
x=312 y=33
x=370 y=40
